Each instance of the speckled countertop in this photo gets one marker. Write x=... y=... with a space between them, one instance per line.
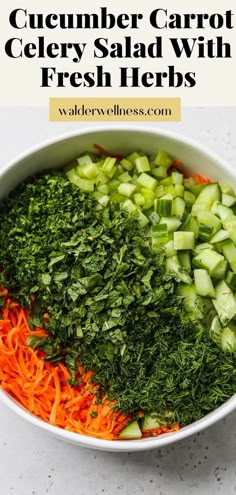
x=31 y=463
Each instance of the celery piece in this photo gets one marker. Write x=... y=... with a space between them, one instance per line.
x=147 y=181
x=177 y=178
x=126 y=189
x=127 y=164
x=108 y=165
x=85 y=159
x=85 y=184
x=125 y=177
x=132 y=157
x=90 y=170
x=142 y=164
x=103 y=188
x=159 y=172
x=102 y=199
x=139 y=199
x=179 y=191
x=163 y=159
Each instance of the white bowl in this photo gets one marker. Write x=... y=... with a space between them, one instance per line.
x=117 y=139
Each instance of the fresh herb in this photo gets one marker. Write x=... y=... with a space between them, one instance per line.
x=112 y=305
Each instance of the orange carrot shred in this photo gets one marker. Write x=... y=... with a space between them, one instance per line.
x=44 y=390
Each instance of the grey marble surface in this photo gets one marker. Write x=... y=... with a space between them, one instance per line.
x=31 y=463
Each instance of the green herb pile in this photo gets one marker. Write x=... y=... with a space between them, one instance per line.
x=112 y=306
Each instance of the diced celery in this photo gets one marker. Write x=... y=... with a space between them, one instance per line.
x=179 y=191
x=113 y=184
x=126 y=189
x=189 y=183
x=108 y=165
x=163 y=159
x=85 y=159
x=132 y=157
x=103 y=188
x=127 y=164
x=85 y=184
x=103 y=199
x=160 y=191
x=72 y=176
x=101 y=178
x=139 y=199
x=125 y=177
x=189 y=198
x=128 y=206
x=90 y=170
x=177 y=178
x=142 y=164
x=160 y=172
x=147 y=181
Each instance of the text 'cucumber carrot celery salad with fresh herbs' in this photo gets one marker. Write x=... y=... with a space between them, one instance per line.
x=118 y=308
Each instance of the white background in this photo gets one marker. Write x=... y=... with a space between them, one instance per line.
x=31 y=463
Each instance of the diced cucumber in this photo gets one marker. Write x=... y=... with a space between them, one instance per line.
x=191 y=226
x=203 y=283
x=131 y=431
x=191 y=302
x=164 y=205
x=221 y=271
x=205 y=232
x=220 y=236
x=231 y=280
x=216 y=330
x=185 y=259
x=230 y=226
x=228 y=340
x=215 y=208
x=173 y=265
x=208 y=195
x=154 y=218
x=224 y=213
x=229 y=251
x=189 y=198
x=173 y=223
x=228 y=200
x=159 y=235
x=184 y=240
x=151 y=421
x=169 y=249
x=226 y=188
x=208 y=218
x=200 y=247
x=208 y=259
x=225 y=304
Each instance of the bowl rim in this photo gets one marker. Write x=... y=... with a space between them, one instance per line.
x=118 y=445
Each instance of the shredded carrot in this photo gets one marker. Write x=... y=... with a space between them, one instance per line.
x=102 y=151
x=201 y=180
x=44 y=390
